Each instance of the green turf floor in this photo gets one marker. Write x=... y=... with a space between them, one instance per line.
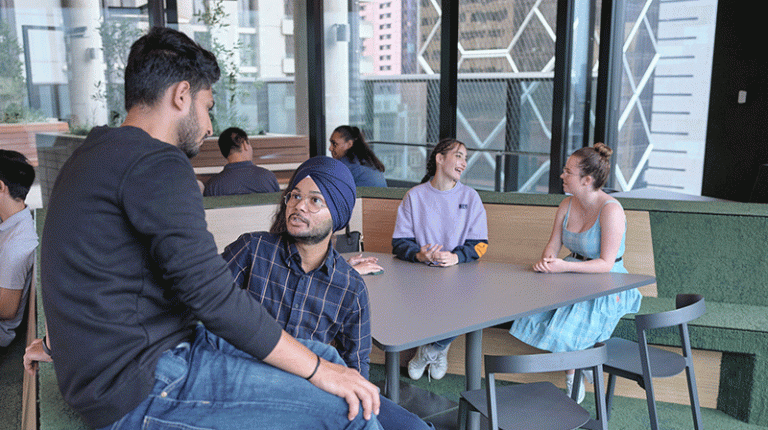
x=628 y=413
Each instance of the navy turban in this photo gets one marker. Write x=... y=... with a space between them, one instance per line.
x=335 y=182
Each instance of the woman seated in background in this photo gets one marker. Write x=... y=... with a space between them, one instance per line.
x=348 y=145
x=592 y=225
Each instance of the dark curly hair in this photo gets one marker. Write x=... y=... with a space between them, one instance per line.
x=161 y=58
x=16 y=173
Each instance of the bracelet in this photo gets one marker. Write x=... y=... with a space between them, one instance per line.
x=45 y=347
x=317 y=366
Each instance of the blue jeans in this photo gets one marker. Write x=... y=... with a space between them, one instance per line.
x=213 y=385
x=395 y=417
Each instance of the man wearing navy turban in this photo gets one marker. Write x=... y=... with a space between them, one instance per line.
x=303 y=282
x=335 y=182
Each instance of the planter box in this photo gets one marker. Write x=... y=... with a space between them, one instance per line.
x=53 y=149
x=21 y=137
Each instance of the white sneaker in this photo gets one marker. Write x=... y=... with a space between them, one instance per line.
x=569 y=388
x=419 y=362
x=439 y=367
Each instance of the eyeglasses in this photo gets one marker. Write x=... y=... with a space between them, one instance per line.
x=314 y=203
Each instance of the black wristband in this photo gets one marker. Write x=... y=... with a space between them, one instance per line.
x=45 y=347
x=317 y=366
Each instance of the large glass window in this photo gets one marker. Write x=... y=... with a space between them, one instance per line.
x=665 y=82
x=506 y=60
x=254 y=43
x=393 y=86
x=506 y=57
x=382 y=65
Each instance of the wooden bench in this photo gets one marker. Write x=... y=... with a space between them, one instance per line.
x=280 y=154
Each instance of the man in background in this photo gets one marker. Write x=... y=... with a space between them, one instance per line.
x=240 y=175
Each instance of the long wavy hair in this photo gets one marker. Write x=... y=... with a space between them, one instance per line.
x=443 y=147
x=360 y=148
x=279 y=225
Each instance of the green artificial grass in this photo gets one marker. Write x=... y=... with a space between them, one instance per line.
x=627 y=414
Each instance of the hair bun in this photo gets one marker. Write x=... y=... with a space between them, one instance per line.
x=603 y=150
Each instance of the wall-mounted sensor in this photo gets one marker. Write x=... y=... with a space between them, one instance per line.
x=341 y=32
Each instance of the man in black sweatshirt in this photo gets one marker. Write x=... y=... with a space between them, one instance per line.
x=128 y=269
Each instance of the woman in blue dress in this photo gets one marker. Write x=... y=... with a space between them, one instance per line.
x=592 y=225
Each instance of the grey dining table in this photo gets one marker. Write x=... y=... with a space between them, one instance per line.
x=413 y=304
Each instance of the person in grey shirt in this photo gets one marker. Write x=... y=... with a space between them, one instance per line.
x=18 y=240
x=240 y=175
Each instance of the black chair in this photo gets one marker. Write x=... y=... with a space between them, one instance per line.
x=538 y=405
x=639 y=362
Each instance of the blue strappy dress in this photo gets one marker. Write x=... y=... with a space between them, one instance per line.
x=581 y=325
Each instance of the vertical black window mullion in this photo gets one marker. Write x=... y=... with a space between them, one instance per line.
x=449 y=56
x=315 y=78
x=609 y=76
x=561 y=93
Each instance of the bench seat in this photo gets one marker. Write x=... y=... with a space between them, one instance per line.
x=740 y=332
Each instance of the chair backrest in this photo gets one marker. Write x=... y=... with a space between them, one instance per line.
x=548 y=362
x=592 y=358
x=689 y=307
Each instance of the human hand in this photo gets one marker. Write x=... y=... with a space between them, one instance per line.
x=549 y=265
x=444 y=258
x=33 y=354
x=365 y=265
x=349 y=385
x=368 y=267
x=427 y=252
x=357 y=259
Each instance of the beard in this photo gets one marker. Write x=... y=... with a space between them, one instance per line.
x=188 y=132
x=314 y=235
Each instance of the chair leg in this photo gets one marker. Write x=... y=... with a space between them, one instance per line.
x=651 y=400
x=609 y=395
x=600 y=408
x=463 y=414
x=694 y=396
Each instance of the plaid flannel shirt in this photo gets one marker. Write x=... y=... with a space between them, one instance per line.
x=328 y=304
